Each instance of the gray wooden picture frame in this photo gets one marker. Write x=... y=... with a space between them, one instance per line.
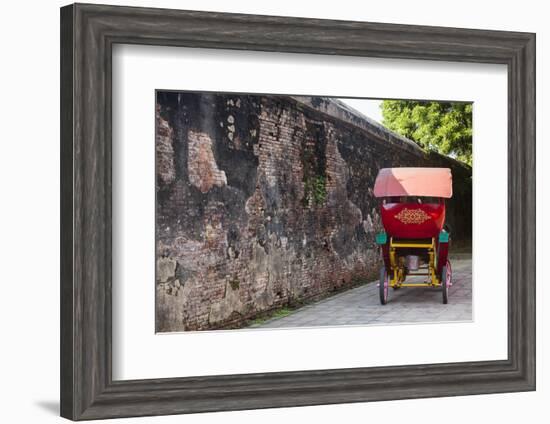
x=88 y=33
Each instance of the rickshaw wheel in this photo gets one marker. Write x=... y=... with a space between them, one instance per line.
x=446 y=275
x=383 y=286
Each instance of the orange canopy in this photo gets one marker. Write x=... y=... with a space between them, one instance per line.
x=433 y=182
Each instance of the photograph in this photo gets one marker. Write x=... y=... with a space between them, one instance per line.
x=290 y=211
x=275 y=212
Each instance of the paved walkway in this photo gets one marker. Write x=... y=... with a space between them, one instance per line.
x=361 y=306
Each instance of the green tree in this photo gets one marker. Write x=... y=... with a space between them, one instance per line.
x=443 y=127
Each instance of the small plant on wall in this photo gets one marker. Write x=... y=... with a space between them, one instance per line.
x=315 y=190
x=314 y=166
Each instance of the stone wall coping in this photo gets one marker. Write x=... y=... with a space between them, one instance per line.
x=343 y=112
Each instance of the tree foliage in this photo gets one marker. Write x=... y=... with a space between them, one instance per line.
x=443 y=127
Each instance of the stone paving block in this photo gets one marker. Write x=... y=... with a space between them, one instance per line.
x=361 y=306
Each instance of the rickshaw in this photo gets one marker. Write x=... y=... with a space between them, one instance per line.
x=415 y=240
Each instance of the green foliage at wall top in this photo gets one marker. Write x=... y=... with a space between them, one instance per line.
x=443 y=127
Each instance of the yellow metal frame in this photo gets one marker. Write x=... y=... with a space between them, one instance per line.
x=397 y=272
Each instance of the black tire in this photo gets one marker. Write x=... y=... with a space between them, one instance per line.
x=383 y=288
x=444 y=286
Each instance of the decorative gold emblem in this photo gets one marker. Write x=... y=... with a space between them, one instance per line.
x=412 y=216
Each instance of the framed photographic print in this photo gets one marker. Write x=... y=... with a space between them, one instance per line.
x=265 y=212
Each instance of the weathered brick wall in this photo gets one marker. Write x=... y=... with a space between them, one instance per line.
x=264 y=201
